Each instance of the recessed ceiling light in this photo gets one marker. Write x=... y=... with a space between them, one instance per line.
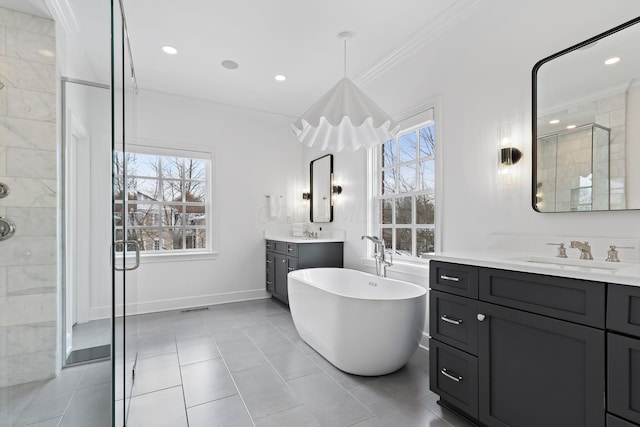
x=169 y=50
x=613 y=60
x=229 y=64
x=280 y=77
x=571 y=127
x=554 y=122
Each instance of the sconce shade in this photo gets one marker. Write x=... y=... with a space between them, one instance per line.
x=345 y=117
x=510 y=155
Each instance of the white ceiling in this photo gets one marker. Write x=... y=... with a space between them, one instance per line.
x=297 y=38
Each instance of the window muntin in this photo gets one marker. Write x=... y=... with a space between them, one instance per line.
x=405 y=203
x=167 y=206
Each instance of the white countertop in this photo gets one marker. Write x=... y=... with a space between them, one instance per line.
x=599 y=271
x=323 y=237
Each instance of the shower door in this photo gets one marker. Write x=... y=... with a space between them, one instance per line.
x=125 y=248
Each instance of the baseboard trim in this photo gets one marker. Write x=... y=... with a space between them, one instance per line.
x=190 y=302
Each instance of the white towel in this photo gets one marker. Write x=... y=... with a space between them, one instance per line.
x=274 y=206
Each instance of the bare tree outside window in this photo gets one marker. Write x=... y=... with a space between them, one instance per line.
x=166 y=204
x=406 y=199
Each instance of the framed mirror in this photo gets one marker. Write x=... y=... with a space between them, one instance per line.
x=586 y=125
x=321 y=177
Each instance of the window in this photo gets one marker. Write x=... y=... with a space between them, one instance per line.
x=405 y=191
x=167 y=206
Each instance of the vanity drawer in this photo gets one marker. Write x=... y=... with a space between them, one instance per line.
x=623 y=309
x=454 y=278
x=454 y=376
x=280 y=247
x=578 y=301
x=270 y=245
x=453 y=320
x=292 y=249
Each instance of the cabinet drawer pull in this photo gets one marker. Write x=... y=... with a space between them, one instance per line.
x=289 y=249
x=454 y=377
x=268 y=261
x=291 y=269
x=449 y=278
x=450 y=320
x=269 y=283
x=284 y=260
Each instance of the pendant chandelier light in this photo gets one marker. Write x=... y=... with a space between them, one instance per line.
x=345 y=117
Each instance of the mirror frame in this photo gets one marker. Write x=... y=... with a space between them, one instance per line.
x=311 y=198
x=534 y=108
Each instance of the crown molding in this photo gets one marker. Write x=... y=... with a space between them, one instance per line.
x=431 y=30
x=63 y=15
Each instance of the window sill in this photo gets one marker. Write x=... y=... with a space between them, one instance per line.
x=174 y=257
x=417 y=268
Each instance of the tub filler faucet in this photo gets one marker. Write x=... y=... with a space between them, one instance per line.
x=380 y=254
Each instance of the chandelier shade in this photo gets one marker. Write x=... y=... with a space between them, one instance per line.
x=345 y=117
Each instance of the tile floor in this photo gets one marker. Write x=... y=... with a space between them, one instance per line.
x=234 y=365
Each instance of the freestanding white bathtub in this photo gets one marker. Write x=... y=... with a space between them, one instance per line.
x=361 y=323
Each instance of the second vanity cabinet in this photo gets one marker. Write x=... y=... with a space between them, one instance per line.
x=517 y=349
x=623 y=355
x=283 y=257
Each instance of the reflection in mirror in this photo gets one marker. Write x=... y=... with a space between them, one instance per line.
x=586 y=104
x=321 y=175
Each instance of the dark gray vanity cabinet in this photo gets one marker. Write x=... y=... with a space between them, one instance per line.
x=283 y=257
x=538 y=354
x=623 y=351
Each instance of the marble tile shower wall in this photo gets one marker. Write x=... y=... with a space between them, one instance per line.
x=28 y=273
x=573 y=151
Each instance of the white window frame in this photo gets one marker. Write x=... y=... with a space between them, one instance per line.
x=160 y=148
x=412 y=120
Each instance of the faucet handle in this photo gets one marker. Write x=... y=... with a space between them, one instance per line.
x=562 y=251
x=612 y=253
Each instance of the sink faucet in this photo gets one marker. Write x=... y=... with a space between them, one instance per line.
x=585 y=249
x=380 y=253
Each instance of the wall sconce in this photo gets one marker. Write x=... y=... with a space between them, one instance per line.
x=509 y=156
x=306 y=195
x=337 y=189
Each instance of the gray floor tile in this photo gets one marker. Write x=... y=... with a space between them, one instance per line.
x=89 y=407
x=430 y=402
x=264 y=391
x=227 y=412
x=96 y=373
x=328 y=401
x=157 y=343
x=409 y=382
x=198 y=349
x=156 y=373
x=299 y=416
x=164 y=408
x=348 y=381
x=51 y=422
x=45 y=407
x=290 y=362
x=206 y=381
x=241 y=354
x=266 y=336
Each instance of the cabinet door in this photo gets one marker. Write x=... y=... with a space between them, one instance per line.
x=624 y=377
x=537 y=371
x=281 y=268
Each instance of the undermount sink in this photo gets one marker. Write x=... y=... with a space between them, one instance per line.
x=576 y=264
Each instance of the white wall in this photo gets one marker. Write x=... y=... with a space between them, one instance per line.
x=255 y=155
x=481 y=70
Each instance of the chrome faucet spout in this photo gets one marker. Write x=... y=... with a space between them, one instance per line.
x=380 y=252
